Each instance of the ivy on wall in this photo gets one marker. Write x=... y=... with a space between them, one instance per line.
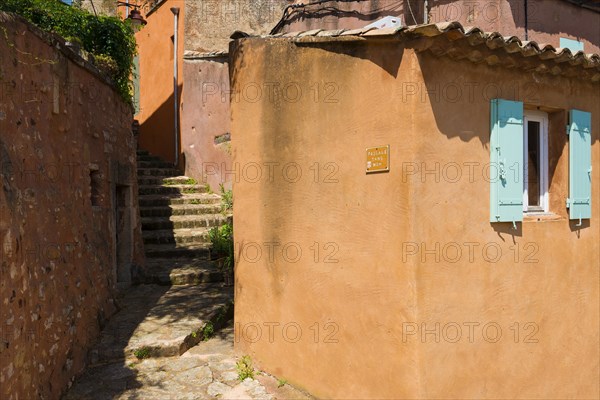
x=109 y=39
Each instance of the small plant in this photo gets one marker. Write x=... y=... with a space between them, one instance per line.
x=189 y=190
x=208 y=331
x=190 y=181
x=226 y=200
x=143 y=353
x=195 y=201
x=281 y=382
x=222 y=312
x=244 y=368
x=221 y=238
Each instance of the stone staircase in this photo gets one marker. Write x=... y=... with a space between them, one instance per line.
x=172 y=337
x=181 y=290
x=176 y=214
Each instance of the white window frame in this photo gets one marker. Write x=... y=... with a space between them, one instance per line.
x=542 y=119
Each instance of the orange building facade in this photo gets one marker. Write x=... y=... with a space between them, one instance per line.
x=374 y=255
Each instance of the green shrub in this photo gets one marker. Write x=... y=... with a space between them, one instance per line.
x=109 y=39
x=221 y=238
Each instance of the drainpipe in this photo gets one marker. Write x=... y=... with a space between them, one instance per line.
x=175 y=11
x=127 y=9
x=425 y=13
x=526 y=27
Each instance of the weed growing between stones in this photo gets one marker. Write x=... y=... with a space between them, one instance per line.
x=226 y=200
x=244 y=368
x=208 y=331
x=143 y=352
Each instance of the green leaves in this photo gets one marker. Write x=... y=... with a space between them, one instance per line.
x=221 y=238
x=107 y=37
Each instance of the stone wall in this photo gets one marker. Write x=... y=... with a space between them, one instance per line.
x=100 y=7
x=69 y=227
x=210 y=23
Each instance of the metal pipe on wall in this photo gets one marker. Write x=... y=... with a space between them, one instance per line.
x=526 y=21
x=425 y=13
x=175 y=11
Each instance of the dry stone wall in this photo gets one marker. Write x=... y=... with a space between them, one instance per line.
x=69 y=224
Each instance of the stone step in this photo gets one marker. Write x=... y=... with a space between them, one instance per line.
x=158 y=172
x=178 y=236
x=154 y=164
x=160 y=321
x=183 y=222
x=182 y=272
x=180 y=209
x=172 y=189
x=200 y=251
x=176 y=199
x=165 y=180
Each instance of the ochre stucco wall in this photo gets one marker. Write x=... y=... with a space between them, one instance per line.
x=400 y=252
x=155 y=48
x=58 y=272
x=205 y=117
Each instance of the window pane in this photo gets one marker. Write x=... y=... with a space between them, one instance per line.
x=533 y=163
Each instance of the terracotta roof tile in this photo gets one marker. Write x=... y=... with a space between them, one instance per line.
x=475 y=36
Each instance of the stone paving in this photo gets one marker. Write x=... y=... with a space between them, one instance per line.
x=162 y=318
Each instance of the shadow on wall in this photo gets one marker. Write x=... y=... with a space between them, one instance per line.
x=388 y=56
x=157 y=131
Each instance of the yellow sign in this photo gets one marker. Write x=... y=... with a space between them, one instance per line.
x=378 y=159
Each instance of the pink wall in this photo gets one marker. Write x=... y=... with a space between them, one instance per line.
x=205 y=118
x=547 y=20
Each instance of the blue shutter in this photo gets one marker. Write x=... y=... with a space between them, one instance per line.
x=573 y=45
x=580 y=165
x=506 y=169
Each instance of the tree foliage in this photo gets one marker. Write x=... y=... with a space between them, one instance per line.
x=110 y=38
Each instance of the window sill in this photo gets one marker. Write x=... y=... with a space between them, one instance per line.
x=541 y=217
